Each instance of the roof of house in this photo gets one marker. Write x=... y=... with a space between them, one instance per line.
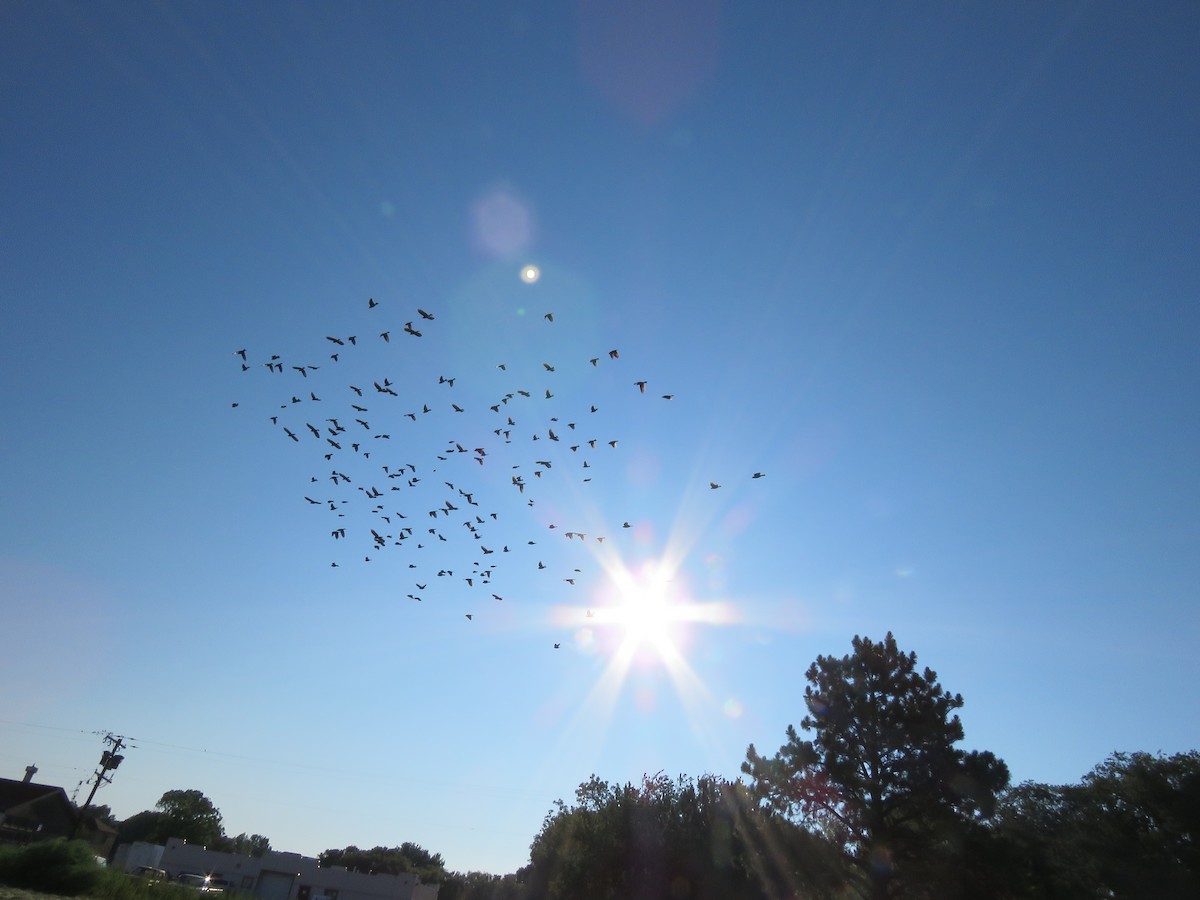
x=17 y=795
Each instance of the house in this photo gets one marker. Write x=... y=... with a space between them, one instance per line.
x=287 y=876
x=38 y=812
x=34 y=812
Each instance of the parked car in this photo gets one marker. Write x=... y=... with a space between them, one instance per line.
x=149 y=873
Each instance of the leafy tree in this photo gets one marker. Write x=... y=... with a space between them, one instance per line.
x=408 y=857
x=57 y=866
x=102 y=813
x=139 y=827
x=246 y=845
x=881 y=776
x=188 y=815
x=1141 y=820
x=482 y=886
x=1130 y=829
x=704 y=839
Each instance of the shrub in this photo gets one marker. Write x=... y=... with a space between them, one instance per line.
x=117 y=885
x=56 y=866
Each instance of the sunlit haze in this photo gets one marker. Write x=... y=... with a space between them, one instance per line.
x=411 y=412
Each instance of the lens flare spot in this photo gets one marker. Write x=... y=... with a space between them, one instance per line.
x=530 y=274
x=585 y=640
x=733 y=708
x=503 y=223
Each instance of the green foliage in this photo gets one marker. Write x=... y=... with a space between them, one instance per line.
x=103 y=813
x=1130 y=829
x=188 y=815
x=482 y=886
x=246 y=845
x=56 y=866
x=704 y=839
x=881 y=775
x=139 y=827
x=117 y=885
x=408 y=857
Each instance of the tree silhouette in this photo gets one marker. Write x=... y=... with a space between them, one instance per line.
x=188 y=815
x=1130 y=829
x=704 y=839
x=408 y=857
x=882 y=776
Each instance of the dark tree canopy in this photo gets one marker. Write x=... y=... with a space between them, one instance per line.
x=408 y=857
x=246 y=844
x=139 y=827
x=188 y=815
x=1130 y=829
x=178 y=814
x=881 y=775
x=704 y=839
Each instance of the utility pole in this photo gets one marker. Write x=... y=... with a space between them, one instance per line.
x=109 y=761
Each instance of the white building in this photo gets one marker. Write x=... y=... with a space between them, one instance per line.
x=285 y=876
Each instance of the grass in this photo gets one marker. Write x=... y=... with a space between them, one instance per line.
x=14 y=893
x=58 y=868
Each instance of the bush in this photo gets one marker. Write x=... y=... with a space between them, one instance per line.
x=117 y=885
x=56 y=866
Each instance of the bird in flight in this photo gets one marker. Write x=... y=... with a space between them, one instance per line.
x=424 y=315
x=641 y=386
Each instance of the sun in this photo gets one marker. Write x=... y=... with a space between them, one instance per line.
x=646 y=614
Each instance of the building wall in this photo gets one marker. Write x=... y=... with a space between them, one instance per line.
x=266 y=875
x=129 y=856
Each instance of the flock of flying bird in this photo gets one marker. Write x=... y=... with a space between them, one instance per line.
x=435 y=502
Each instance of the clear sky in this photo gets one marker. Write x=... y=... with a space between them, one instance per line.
x=931 y=269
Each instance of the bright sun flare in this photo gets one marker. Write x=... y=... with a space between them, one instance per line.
x=646 y=616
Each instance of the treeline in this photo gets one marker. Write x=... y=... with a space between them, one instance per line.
x=875 y=801
x=191 y=816
x=1128 y=831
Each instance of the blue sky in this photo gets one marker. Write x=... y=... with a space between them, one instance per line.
x=931 y=270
